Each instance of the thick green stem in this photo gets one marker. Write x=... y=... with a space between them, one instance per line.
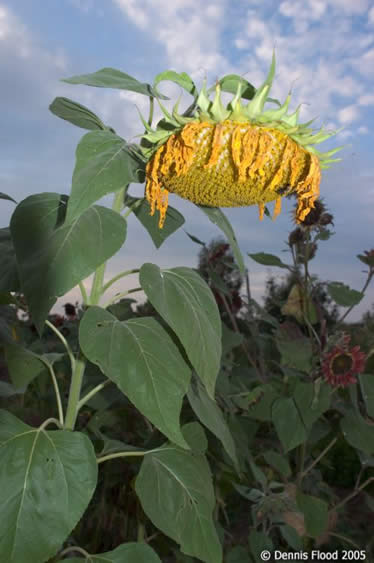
x=74 y=394
x=80 y=363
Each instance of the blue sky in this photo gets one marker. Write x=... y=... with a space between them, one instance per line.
x=324 y=50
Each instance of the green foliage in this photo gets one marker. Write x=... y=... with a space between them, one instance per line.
x=184 y=300
x=344 y=295
x=105 y=486
x=47 y=479
x=187 y=478
x=160 y=383
x=51 y=257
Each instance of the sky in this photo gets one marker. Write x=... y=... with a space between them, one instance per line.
x=325 y=54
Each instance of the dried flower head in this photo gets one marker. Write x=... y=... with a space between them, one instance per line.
x=236 y=155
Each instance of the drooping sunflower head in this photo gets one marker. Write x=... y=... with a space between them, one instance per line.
x=237 y=155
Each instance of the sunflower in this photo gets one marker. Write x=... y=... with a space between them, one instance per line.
x=341 y=364
x=236 y=155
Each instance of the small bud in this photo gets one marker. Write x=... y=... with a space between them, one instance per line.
x=295 y=236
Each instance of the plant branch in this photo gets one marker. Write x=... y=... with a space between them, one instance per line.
x=74 y=548
x=50 y=421
x=353 y=494
x=130 y=454
x=91 y=393
x=57 y=392
x=120 y=295
x=118 y=277
x=65 y=343
x=319 y=457
x=132 y=207
x=83 y=292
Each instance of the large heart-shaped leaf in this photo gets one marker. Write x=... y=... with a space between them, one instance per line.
x=105 y=163
x=9 y=280
x=288 y=423
x=75 y=113
x=23 y=365
x=113 y=78
x=140 y=357
x=219 y=218
x=187 y=304
x=53 y=258
x=209 y=413
x=125 y=553
x=357 y=433
x=343 y=295
x=174 y=220
x=47 y=479
x=176 y=492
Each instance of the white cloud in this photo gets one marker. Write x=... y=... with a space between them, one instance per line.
x=348 y=114
x=366 y=100
x=371 y=15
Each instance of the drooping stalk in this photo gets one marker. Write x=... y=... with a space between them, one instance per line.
x=80 y=363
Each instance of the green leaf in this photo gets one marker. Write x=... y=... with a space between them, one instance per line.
x=366 y=259
x=291 y=537
x=7 y=197
x=262 y=409
x=140 y=357
x=229 y=83
x=367 y=389
x=295 y=349
x=126 y=553
x=113 y=78
x=105 y=163
x=23 y=365
x=54 y=258
x=230 y=339
x=258 y=542
x=9 y=280
x=344 y=295
x=185 y=513
x=267 y=259
x=279 y=462
x=217 y=217
x=357 y=433
x=195 y=239
x=288 y=423
x=174 y=220
x=187 y=304
x=76 y=114
x=312 y=400
x=47 y=479
x=315 y=513
x=182 y=79
x=209 y=413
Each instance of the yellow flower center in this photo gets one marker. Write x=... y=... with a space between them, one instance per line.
x=232 y=164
